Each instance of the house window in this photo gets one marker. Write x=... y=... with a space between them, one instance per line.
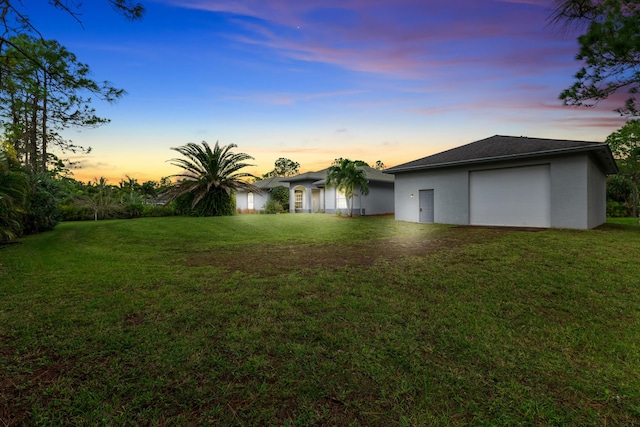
x=342 y=200
x=250 y=201
x=298 y=199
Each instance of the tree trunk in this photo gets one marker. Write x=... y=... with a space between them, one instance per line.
x=44 y=124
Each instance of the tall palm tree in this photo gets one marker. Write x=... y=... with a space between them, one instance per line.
x=348 y=175
x=210 y=177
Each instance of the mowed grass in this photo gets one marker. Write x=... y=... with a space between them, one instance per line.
x=319 y=320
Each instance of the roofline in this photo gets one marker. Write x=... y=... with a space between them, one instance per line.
x=594 y=147
x=308 y=176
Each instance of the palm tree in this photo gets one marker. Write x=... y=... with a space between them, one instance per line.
x=210 y=177
x=14 y=193
x=348 y=175
x=101 y=200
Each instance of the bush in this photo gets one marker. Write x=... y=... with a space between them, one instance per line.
x=43 y=212
x=158 y=211
x=617 y=210
x=133 y=209
x=73 y=212
x=281 y=194
x=273 y=207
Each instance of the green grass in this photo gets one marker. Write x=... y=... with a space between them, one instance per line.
x=624 y=221
x=319 y=320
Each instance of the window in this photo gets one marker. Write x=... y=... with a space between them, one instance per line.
x=298 y=199
x=250 y=201
x=342 y=200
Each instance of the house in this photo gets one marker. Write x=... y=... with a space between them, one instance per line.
x=251 y=202
x=508 y=181
x=308 y=192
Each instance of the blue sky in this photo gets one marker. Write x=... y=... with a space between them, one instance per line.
x=390 y=80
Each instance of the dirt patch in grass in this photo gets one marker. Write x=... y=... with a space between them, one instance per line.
x=267 y=259
x=27 y=379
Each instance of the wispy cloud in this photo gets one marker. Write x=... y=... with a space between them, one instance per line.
x=288 y=98
x=405 y=38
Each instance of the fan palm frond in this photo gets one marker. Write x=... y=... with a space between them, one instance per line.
x=210 y=176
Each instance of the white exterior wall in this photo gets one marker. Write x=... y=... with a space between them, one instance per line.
x=578 y=191
x=330 y=199
x=259 y=200
x=597 y=196
x=569 y=192
x=242 y=200
x=450 y=195
x=380 y=199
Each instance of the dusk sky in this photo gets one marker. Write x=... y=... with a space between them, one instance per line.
x=313 y=80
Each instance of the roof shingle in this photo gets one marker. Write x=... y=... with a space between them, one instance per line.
x=499 y=147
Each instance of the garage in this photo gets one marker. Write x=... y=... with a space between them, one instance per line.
x=508 y=181
x=518 y=196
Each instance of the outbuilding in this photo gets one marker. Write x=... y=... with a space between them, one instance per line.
x=508 y=181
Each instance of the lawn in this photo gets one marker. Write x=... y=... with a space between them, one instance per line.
x=319 y=320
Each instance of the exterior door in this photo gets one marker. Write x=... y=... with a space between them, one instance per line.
x=426 y=206
x=517 y=197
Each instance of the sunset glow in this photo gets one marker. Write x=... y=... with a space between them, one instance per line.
x=320 y=79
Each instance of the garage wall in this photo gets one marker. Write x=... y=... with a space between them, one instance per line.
x=597 y=195
x=450 y=195
x=569 y=192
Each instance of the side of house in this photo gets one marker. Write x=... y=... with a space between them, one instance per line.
x=247 y=202
x=309 y=193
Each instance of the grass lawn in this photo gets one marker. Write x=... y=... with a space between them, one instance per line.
x=319 y=320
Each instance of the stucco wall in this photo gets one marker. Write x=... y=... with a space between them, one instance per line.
x=380 y=199
x=450 y=195
x=597 y=196
x=569 y=192
x=259 y=200
x=330 y=200
x=241 y=200
x=578 y=192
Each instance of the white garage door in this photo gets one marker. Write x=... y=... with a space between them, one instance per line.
x=519 y=197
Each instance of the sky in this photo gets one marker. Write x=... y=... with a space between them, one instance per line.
x=315 y=80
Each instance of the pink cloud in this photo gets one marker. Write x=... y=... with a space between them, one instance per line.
x=610 y=123
x=403 y=38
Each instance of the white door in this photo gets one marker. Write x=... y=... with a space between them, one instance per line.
x=519 y=197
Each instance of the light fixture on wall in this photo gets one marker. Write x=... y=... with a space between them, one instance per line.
x=411 y=195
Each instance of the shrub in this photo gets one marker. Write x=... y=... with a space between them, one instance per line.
x=281 y=194
x=273 y=206
x=617 y=210
x=43 y=212
x=158 y=211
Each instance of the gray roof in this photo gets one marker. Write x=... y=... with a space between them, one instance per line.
x=307 y=176
x=500 y=147
x=319 y=178
x=372 y=175
x=271 y=182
